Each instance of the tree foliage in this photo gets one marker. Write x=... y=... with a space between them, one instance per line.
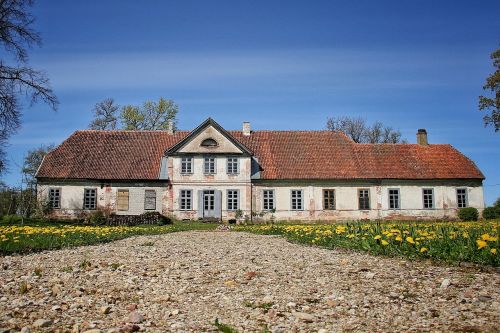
x=150 y=115
x=492 y=104
x=18 y=79
x=359 y=131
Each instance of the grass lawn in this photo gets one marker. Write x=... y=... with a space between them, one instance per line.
x=453 y=242
x=37 y=236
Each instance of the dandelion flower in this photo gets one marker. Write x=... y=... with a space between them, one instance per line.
x=424 y=249
x=410 y=240
x=384 y=242
x=481 y=244
x=377 y=237
x=494 y=251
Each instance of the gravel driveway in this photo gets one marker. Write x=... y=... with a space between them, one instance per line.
x=181 y=282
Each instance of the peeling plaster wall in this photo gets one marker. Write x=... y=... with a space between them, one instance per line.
x=72 y=197
x=346 y=202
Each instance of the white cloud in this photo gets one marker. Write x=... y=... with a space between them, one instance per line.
x=293 y=70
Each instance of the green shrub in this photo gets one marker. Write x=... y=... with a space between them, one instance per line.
x=491 y=213
x=95 y=218
x=468 y=214
x=11 y=219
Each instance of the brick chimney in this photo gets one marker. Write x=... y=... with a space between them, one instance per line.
x=246 y=128
x=422 y=137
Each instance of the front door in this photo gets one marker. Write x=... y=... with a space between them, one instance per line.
x=209 y=203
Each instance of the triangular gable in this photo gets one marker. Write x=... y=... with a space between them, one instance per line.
x=209 y=129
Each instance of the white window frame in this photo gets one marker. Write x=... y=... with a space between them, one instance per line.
x=55 y=199
x=186 y=165
x=185 y=199
x=232 y=199
x=209 y=165
x=90 y=197
x=296 y=200
x=398 y=201
x=325 y=190
x=367 y=198
x=232 y=165
x=433 y=204
x=466 y=197
x=268 y=199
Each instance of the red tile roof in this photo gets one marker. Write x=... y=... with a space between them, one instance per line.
x=113 y=155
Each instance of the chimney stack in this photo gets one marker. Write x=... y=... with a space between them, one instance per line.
x=246 y=128
x=422 y=137
x=170 y=125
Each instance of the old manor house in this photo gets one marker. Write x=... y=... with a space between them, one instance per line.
x=290 y=175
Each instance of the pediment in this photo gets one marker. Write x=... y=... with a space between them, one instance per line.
x=209 y=138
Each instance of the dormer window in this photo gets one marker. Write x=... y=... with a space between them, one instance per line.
x=209 y=143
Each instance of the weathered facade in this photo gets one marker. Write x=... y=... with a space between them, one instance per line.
x=211 y=173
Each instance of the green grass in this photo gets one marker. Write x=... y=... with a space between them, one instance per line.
x=452 y=242
x=35 y=236
x=223 y=327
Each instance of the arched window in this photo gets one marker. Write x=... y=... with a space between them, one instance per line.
x=209 y=143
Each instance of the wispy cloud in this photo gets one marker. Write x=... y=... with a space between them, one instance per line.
x=293 y=69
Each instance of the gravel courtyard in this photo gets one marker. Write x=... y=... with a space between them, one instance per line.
x=181 y=282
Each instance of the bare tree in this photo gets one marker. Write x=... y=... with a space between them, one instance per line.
x=492 y=104
x=352 y=127
x=360 y=132
x=18 y=80
x=105 y=115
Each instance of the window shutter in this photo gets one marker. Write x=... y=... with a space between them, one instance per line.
x=150 y=199
x=239 y=199
x=218 y=203
x=200 y=204
x=122 y=203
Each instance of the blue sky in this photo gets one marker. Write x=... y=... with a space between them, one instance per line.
x=277 y=64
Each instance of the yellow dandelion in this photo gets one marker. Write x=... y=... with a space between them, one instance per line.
x=410 y=240
x=494 y=251
x=424 y=249
x=481 y=243
x=384 y=242
x=377 y=237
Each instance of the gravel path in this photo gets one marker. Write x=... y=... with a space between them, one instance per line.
x=181 y=282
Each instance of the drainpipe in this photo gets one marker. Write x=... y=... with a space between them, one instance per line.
x=251 y=202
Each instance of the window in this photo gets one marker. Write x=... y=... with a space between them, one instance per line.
x=209 y=165
x=150 y=200
x=297 y=200
x=394 y=198
x=364 y=199
x=232 y=165
x=90 y=198
x=55 y=198
x=186 y=165
x=186 y=200
x=462 y=197
x=232 y=199
x=328 y=199
x=268 y=199
x=209 y=143
x=428 y=194
x=122 y=202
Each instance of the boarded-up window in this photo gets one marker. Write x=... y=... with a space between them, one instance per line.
x=150 y=200
x=122 y=202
